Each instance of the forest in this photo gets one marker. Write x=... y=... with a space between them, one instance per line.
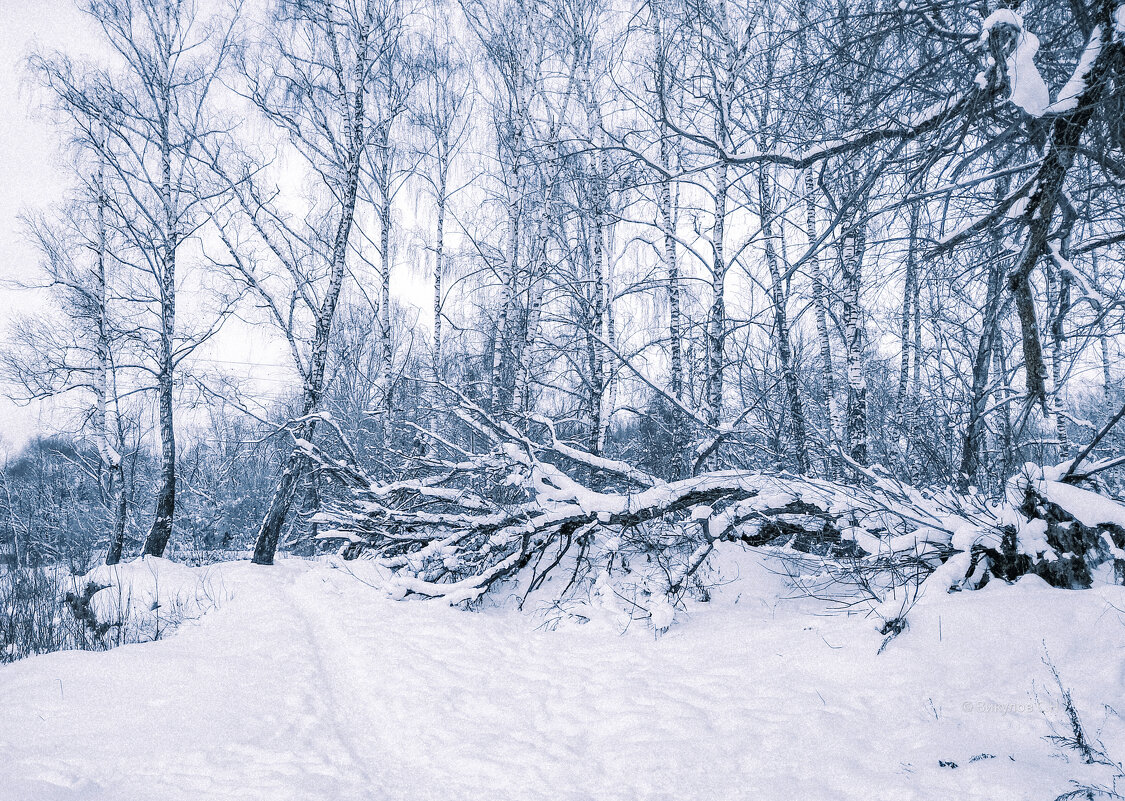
x=640 y=245
x=554 y=303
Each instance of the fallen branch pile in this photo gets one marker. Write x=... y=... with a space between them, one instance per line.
x=528 y=503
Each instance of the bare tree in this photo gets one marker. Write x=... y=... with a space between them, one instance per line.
x=394 y=73
x=48 y=360
x=442 y=113
x=313 y=81
x=149 y=121
x=508 y=34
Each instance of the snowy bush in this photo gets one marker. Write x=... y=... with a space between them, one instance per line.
x=44 y=609
x=37 y=607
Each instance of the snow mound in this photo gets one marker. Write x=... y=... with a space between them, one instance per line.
x=149 y=596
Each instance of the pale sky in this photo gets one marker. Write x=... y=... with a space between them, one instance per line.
x=31 y=159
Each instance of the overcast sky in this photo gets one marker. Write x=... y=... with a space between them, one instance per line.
x=30 y=158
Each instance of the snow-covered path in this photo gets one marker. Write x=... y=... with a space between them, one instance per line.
x=307 y=684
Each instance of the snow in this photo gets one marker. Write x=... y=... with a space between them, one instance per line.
x=1114 y=551
x=701 y=512
x=1028 y=89
x=1032 y=539
x=305 y=682
x=1001 y=16
x=1088 y=508
x=155 y=594
x=662 y=613
x=1088 y=291
x=1068 y=96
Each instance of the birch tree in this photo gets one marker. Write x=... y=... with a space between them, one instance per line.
x=153 y=117
x=507 y=33
x=80 y=357
x=442 y=113
x=394 y=72
x=312 y=82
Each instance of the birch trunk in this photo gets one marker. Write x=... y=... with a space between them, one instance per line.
x=439 y=269
x=1103 y=337
x=820 y=310
x=545 y=218
x=109 y=455
x=597 y=376
x=909 y=301
x=819 y=295
x=355 y=134
x=1059 y=300
x=856 y=427
x=161 y=530
x=781 y=326
x=386 y=348
x=510 y=267
x=672 y=272
x=1007 y=450
x=716 y=319
x=668 y=226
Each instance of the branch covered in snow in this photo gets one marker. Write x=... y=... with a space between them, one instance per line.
x=452 y=529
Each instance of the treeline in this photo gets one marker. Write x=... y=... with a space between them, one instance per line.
x=56 y=507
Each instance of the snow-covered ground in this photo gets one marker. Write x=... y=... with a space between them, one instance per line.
x=303 y=682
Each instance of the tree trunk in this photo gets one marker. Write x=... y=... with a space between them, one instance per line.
x=668 y=224
x=716 y=320
x=439 y=267
x=974 y=431
x=1103 y=337
x=909 y=300
x=161 y=530
x=508 y=270
x=109 y=455
x=781 y=326
x=1066 y=133
x=675 y=324
x=386 y=349
x=121 y=511
x=597 y=376
x=1059 y=301
x=856 y=427
x=820 y=304
x=820 y=310
x=539 y=259
x=266 y=544
x=1007 y=450
x=268 y=533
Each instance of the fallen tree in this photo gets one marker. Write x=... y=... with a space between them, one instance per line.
x=528 y=509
